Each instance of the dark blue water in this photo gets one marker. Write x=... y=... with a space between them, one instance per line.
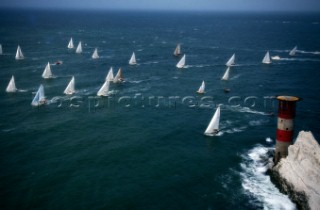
x=140 y=148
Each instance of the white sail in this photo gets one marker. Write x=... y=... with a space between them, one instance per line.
x=266 y=59
x=11 y=88
x=70 y=88
x=19 y=54
x=118 y=78
x=95 y=54
x=1 y=52
x=293 y=51
x=202 y=88
x=110 y=76
x=226 y=74
x=79 y=48
x=133 y=60
x=213 y=127
x=177 y=51
x=231 y=61
x=39 y=98
x=104 y=90
x=182 y=62
x=70 y=45
x=47 y=74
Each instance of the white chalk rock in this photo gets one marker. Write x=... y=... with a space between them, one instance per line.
x=300 y=170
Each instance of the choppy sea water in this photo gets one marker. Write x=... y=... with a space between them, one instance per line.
x=143 y=147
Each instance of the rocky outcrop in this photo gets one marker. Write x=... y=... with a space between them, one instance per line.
x=299 y=173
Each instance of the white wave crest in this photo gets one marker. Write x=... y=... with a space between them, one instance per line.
x=235 y=129
x=299 y=59
x=136 y=81
x=187 y=66
x=22 y=90
x=201 y=65
x=308 y=52
x=269 y=140
x=257 y=184
x=235 y=77
x=246 y=109
x=150 y=62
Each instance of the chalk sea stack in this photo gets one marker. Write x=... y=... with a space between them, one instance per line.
x=298 y=174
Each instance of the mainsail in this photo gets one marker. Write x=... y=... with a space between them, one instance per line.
x=226 y=74
x=202 y=88
x=95 y=54
x=47 y=74
x=266 y=59
x=231 y=61
x=213 y=127
x=110 y=76
x=19 y=54
x=182 y=62
x=104 y=90
x=177 y=51
x=11 y=88
x=79 y=48
x=132 y=60
x=70 y=45
x=118 y=78
x=293 y=51
x=39 y=98
x=70 y=88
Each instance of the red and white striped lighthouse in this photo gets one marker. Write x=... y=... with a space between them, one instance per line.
x=286 y=114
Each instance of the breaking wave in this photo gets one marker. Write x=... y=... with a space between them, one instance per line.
x=256 y=183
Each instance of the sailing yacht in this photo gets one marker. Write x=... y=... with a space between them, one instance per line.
x=201 y=88
x=95 y=54
x=11 y=88
x=70 y=88
x=19 y=54
x=79 y=48
x=104 y=90
x=47 y=74
x=231 y=61
x=293 y=51
x=213 y=127
x=226 y=74
x=70 y=44
x=1 y=52
x=119 y=77
x=276 y=57
x=266 y=59
x=133 y=60
x=182 y=62
x=110 y=76
x=39 y=98
x=177 y=51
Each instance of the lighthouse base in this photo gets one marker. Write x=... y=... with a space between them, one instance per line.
x=281 y=150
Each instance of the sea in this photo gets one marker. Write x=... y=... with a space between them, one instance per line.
x=143 y=146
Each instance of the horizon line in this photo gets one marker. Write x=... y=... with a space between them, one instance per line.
x=157 y=10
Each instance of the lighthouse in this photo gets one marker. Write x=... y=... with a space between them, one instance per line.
x=286 y=114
